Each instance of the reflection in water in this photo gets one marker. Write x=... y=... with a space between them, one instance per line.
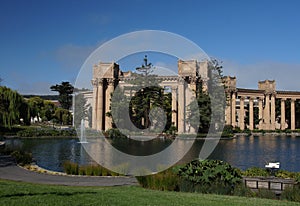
x=242 y=152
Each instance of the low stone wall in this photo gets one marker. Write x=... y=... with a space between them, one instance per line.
x=271 y=183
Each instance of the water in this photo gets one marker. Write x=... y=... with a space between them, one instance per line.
x=242 y=152
x=82 y=133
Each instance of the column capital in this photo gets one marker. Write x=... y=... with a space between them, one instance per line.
x=193 y=80
x=110 y=81
x=94 y=82
x=174 y=88
x=100 y=82
x=293 y=99
x=242 y=98
x=283 y=99
x=181 y=81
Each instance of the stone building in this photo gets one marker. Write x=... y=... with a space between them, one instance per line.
x=106 y=76
x=240 y=102
x=264 y=98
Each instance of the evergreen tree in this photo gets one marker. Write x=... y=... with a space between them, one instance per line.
x=65 y=90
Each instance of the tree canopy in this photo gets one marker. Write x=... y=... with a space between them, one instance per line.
x=12 y=107
x=65 y=90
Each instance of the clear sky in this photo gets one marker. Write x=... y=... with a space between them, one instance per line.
x=46 y=42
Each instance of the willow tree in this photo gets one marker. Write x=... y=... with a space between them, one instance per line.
x=12 y=107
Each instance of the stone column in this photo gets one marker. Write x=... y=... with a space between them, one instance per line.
x=174 y=106
x=282 y=121
x=204 y=84
x=242 y=114
x=260 y=109
x=193 y=85
x=94 y=113
x=100 y=105
x=233 y=115
x=109 y=91
x=273 y=114
x=292 y=114
x=181 y=106
x=228 y=110
x=267 y=112
x=251 y=115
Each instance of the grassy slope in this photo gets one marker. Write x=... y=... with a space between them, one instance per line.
x=17 y=193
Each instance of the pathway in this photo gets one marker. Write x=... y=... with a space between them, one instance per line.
x=14 y=172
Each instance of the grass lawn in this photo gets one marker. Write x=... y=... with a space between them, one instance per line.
x=19 y=193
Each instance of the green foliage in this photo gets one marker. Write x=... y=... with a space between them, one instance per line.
x=12 y=107
x=211 y=176
x=265 y=193
x=202 y=103
x=256 y=172
x=227 y=131
x=22 y=157
x=44 y=132
x=114 y=133
x=65 y=90
x=166 y=180
x=291 y=194
x=63 y=116
x=243 y=191
x=90 y=170
x=20 y=193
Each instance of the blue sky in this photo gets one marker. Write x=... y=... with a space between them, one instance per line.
x=46 y=42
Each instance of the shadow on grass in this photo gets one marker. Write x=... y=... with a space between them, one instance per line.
x=45 y=193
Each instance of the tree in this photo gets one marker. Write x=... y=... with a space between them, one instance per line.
x=63 y=116
x=12 y=107
x=35 y=107
x=47 y=111
x=148 y=97
x=201 y=103
x=211 y=103
x=65 y=90
x=143 y=105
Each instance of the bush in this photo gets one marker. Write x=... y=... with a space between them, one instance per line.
x=243 y=191
x=114 y=133
x=22 y=158
x=209 y=176
x=265 y=193
x=256 y=172
x=166 y=180
x=90 y=170
x=39 y=132
x=291 y=193
x=227 y=131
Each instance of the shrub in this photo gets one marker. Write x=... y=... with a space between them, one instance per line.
x=166 y=180
x=242 y=190
x=291 y=193
x=38 y=132
x=22 y=158
x=114 y=133
x=227 y=131
x=256 y=172
x=91 y=170
x=265 y=193
x=209 y=176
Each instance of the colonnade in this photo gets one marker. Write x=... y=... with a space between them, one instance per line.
x=266 y=110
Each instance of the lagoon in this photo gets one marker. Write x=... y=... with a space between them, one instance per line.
x=242 y=152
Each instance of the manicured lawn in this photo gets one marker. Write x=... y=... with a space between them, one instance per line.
x=18 y=193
